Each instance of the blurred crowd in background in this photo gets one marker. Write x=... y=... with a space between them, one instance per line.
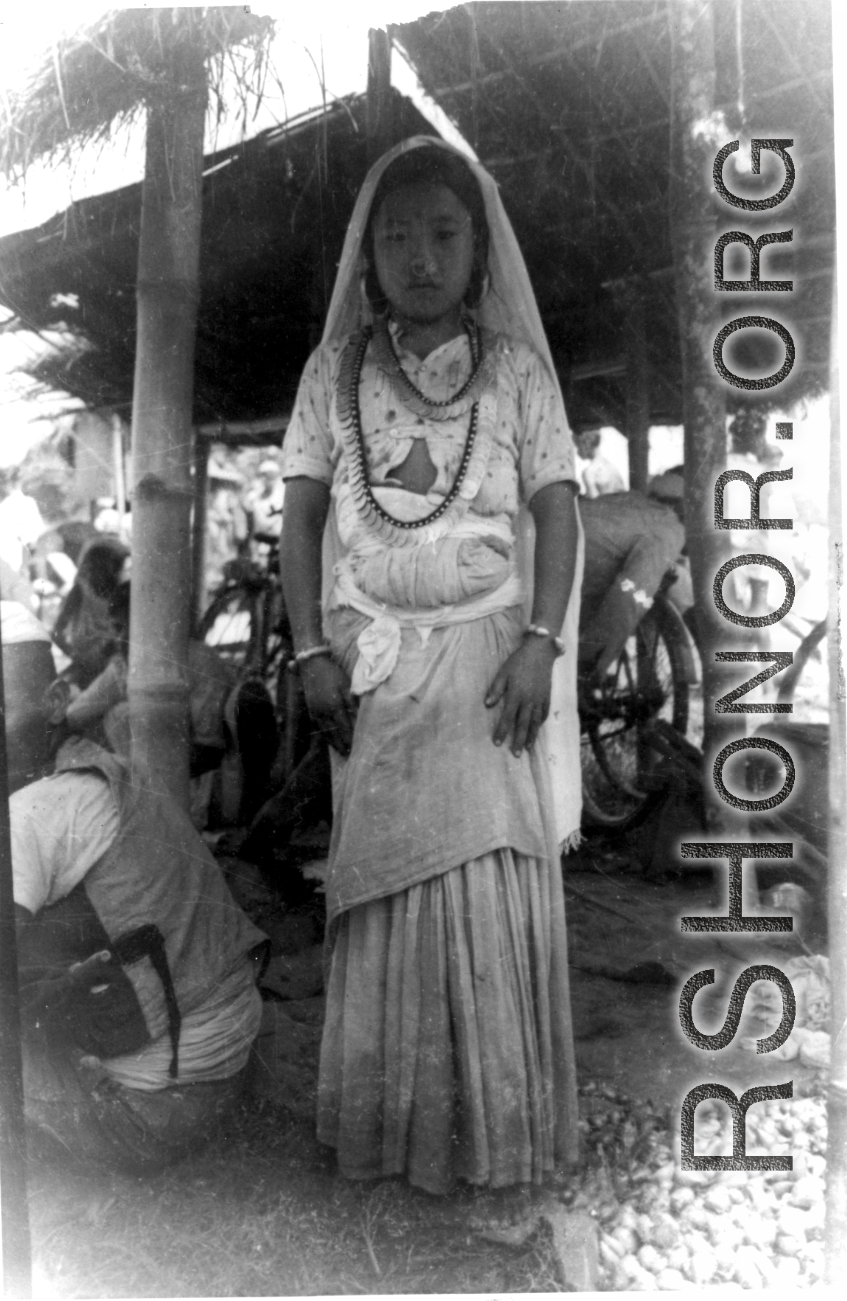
x=46 y=523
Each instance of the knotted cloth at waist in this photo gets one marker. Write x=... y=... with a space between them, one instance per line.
x=456 y=574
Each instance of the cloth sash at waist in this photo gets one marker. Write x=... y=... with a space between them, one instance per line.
x=484 y=548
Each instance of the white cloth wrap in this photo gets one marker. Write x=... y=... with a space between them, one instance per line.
x=444 y=565
x=429 y=567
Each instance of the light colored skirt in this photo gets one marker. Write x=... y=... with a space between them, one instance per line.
x=447 y=1051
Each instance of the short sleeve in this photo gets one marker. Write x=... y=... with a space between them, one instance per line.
x=545 y=445
x=307 y=448
x=59 y=828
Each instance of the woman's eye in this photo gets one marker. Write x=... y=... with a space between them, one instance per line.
x=445 y=235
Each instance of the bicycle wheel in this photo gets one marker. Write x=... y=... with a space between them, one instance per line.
x=232 y=625
x=275 y=644
x=649 y=681
x=295 y=725
x=286 y=691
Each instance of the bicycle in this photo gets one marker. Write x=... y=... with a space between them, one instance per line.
x=649 y=684
x=247 y=624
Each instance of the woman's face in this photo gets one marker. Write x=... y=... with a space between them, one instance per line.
x=424 y=252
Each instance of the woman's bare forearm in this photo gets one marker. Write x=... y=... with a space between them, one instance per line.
x=556 y=533
x=304 y=518
x=325 y=684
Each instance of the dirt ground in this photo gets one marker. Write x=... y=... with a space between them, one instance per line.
x=261 y=1212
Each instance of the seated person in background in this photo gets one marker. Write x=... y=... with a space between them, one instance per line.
x=28 y=671
x=100 y=711
x=71 y=536
x=597 y=474
x=91 y=696
x=56 y=555
x=53 y=565
x=93 y=623
x=137 y=969
x=631 y=540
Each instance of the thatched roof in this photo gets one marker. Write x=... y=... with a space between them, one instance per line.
x=568 y=105
x=272 y=230
x=104 y=73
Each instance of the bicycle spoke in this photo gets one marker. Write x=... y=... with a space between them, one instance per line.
x=648 y=681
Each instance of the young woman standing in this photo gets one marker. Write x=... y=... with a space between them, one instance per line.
x=428 y=437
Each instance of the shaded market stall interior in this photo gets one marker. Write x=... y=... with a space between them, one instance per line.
x=588 y=86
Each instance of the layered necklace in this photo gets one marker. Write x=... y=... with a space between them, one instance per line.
x=411 y=396
x=372 y=513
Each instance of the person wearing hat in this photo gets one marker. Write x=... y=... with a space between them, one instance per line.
x=137 y=970
x=264 y=508
x=597 y=474
x=227 y=525
x=631 y=540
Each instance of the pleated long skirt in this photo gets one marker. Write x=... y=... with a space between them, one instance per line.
x=447 y=1051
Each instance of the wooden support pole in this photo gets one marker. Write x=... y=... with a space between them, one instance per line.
x=379 y=114
x=637 y=387
x=836 y=1150
x=118 y=467
x=694 y=230
x=198 y=528
x=168 y=270
x=15 y=1252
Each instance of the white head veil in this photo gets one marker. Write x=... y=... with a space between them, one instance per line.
x=508 y=307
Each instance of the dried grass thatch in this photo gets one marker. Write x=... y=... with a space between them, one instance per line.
x=105 y=73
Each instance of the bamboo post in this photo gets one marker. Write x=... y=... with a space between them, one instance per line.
x=694 y=232
x=379 y=117
x=836 y=1154
x=14 y=1239
x=118 y=467
x=198 y=527
x=637 y=387
x=168 y=273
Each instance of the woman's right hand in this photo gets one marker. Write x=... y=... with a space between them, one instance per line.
x=327 y=690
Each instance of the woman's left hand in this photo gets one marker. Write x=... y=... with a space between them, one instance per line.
x=523 y=686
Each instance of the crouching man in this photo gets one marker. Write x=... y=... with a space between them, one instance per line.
x=137 y=969
x=632 y=539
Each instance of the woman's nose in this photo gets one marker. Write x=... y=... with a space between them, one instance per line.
x=422 y=261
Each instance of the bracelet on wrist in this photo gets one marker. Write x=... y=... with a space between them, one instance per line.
x=308 y=654
x=537 y=630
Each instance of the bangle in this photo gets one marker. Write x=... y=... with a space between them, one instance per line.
x=308 y=654
x=536 y=630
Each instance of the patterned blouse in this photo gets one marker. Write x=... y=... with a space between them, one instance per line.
x=532 y=443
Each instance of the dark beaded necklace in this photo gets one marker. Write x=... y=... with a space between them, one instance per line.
x=472 y=332
x=361 y=469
